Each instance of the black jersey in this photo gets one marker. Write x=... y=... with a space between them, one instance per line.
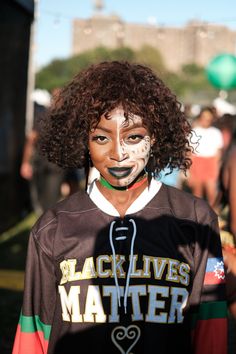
x=151 y=282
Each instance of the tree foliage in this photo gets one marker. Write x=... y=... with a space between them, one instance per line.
x=60 y=72
x=150 y=56
x=189 y=84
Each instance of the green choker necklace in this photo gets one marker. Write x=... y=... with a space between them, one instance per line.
x=137 y=184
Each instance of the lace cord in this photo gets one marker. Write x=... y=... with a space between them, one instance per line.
x=115 y=263
x=130 y=264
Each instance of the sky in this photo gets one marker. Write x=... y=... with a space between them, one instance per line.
x=53 y=19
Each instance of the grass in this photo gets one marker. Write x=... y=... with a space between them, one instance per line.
x=13 y=249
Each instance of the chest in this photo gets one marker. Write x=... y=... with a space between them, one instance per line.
x=158 y=251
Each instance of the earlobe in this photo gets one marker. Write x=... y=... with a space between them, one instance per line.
x=153 y=140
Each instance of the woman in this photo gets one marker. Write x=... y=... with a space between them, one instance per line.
x=225 y=205
x=203 y=174
x=128 y=266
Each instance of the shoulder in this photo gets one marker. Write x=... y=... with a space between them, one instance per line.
x=75 y=204
x=197 y=129
x=215 y=131
x=59 y=217
x=184 y=205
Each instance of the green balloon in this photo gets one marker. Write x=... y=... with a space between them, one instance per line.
x=221 y=71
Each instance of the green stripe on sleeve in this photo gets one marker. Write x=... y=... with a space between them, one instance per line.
x=31 y=324
x=210 y=310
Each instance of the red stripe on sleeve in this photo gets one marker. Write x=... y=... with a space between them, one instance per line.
x=29 y=343
x=210 y=336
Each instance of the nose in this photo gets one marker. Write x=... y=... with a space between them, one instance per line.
x=118 y=152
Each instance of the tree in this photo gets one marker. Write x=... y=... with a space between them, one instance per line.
x=59 y=72
x=190 y=84
x=150 y=56
x=197 y=88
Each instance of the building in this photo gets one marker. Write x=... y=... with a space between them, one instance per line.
x=197 y=42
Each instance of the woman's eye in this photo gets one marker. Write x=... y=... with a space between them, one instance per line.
x=100 y=139
x=134 y=139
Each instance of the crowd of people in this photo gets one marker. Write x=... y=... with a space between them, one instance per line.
x=144 y=257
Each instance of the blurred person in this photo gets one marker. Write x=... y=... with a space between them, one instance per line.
x=74 y=180
x=226 y=123
x=225 y=203
x=222 y=106
x=45 y=178
x=127 y=265
x=208 y=145
x=225 y=206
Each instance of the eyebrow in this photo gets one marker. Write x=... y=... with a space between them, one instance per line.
x=102 y=128
x=125 y=128
x=135 y=125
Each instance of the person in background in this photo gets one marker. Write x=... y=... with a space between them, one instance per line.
x=226 y=123
x=225 y=203
x=225 y=206
x=74 y=180
x=45 y=177
x=126 y=266
x=208 y=145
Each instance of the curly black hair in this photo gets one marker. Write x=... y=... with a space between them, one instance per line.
x=98 y=90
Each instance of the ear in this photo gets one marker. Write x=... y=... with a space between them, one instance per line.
x=153 y=141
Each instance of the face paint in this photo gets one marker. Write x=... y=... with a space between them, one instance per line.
x=120 y=149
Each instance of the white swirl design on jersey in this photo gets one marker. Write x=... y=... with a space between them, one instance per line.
x=132 y=333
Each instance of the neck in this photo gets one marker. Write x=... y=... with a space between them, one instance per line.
x=136 y=184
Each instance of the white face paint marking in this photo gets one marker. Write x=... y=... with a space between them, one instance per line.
x=120 y=148
x=137 y=154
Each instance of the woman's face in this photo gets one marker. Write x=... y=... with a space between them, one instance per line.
x=119 y=149
x=206 y=119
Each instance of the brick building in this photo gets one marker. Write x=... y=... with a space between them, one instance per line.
x=196 y=42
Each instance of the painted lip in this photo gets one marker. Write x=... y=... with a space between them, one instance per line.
x=120 y=172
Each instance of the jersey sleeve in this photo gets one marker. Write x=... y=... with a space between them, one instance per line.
x=34 y=327
x=209 y=315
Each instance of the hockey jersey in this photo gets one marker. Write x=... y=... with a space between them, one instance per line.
x=151 y=282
